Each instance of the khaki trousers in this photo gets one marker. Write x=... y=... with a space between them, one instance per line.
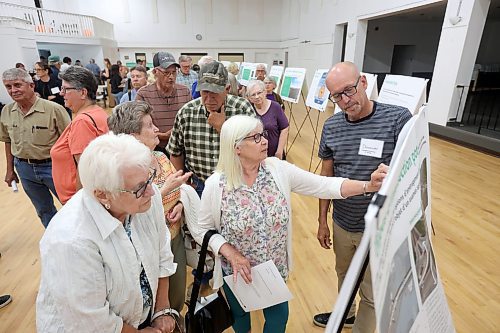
x=345 y=244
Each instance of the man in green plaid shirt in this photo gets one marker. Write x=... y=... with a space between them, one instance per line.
x=194 y=143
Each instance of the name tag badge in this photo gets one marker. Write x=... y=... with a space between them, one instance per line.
x=372 y=148
x=55 y=90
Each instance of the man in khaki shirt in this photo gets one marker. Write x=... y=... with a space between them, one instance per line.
x=29 y=127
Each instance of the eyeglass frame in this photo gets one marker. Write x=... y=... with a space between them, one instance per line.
x=257 y=137
x=65 y=89
x=343 y=92
x=142 y=188
x=163 y=71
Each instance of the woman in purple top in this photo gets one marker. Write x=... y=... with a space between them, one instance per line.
x=272 y=116
x=270 y=84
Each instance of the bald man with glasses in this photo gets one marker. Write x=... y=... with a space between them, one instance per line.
x=354 y=142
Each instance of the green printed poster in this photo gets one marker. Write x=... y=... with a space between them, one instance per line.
x=246 y=74
x=285 y=88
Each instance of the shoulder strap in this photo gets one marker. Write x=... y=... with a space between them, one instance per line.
x=199 y=271
x=93 y=121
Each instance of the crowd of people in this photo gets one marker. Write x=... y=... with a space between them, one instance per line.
x=182 y=153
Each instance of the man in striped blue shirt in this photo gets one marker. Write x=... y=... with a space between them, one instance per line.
x=353 y=143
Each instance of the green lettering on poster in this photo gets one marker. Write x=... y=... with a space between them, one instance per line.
x=246 y=74
x=285 y=88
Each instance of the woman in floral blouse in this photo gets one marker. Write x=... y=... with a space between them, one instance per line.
x=135 y=118
x=247 y=200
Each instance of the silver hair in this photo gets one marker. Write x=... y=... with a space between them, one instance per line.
x=16 y=74
x=255 y=83
x=231 y=135
x=102 y=162
x=81 y=78
x=127 y=117
x=270 y=78
x=205 y=60
x=184 y=58
x=261 y=66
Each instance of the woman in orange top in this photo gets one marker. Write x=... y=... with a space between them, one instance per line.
x=134 y=118
x=79 y=87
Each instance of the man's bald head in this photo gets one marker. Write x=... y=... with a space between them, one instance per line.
x=341 y=70
x=345 y=82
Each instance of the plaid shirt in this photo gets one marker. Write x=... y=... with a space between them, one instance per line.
x=196 y=139
x=187 y=80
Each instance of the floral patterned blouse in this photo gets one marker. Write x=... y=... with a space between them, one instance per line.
x=255 y=221
x=171 y=199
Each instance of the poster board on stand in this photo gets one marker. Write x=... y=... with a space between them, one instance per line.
x=247 y=73
x=408 y=293
x=276 y=72
x=409 y=92
x=317 y=98
x=291 y=88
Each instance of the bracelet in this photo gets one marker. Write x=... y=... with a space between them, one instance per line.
x=364 y=189
x=165 y=312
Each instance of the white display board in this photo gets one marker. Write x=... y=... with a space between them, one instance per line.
x=371 y=89
x=408 y=293
x=317 y=98
x=406 y=91
x=277 y=72
x=293 y=78
x=247 y=73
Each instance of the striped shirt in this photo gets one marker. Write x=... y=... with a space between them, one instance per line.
x=340 y=141
x=165 y=107
x=196 y=139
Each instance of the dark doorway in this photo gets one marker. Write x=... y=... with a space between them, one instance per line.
x=402 y=59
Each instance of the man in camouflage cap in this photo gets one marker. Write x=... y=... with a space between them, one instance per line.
x=194 y=144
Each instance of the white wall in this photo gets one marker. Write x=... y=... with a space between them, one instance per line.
x=20 y=46
x=81 y=52
x=380 y=44
x=142 y=24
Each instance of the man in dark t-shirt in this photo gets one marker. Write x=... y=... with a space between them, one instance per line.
x=353 y=143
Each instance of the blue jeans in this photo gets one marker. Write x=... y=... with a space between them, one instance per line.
x=197 y=184
x=37 y=183
x=276 y=316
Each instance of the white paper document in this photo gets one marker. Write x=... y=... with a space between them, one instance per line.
x=267 y=288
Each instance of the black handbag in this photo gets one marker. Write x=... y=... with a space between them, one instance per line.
x=214 y=316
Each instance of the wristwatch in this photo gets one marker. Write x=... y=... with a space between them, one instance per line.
x=165 y=312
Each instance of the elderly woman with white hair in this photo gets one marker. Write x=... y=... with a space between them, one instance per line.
x=106 y=256
x=248 y=200
x=271 y=115
x=134 y=118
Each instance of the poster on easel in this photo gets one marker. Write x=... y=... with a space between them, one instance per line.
x=317 y=98
x=408 y=293
x=293 y=78
x=371 y=89
x=276 y=72
x=409 y=92
x=247 y=73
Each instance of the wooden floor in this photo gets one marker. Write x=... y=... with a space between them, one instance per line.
x=466 y=217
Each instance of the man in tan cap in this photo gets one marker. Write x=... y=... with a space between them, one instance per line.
x=164 y=95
